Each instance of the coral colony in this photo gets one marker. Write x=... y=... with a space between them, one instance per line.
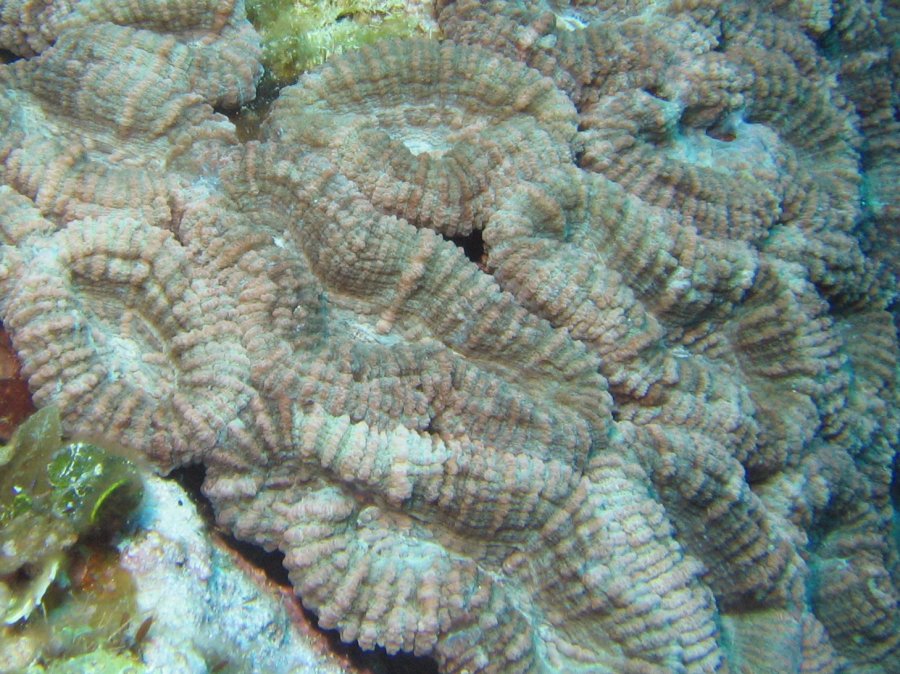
x=648 y=425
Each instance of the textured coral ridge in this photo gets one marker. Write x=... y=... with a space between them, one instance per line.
x=651 y=430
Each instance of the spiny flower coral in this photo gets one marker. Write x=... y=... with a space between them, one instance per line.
x=653 y=427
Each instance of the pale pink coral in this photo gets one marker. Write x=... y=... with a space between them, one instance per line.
x=653 y=424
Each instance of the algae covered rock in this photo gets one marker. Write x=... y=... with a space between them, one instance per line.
x=52 y=493
x=98 y=662
x=299 y=34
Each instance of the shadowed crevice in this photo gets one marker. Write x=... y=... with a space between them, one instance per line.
x=472 y=244
x=376 y=661
x=7 y=56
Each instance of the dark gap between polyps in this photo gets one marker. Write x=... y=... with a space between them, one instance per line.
x=7 y=56
x=472 y=244
x=376 y=661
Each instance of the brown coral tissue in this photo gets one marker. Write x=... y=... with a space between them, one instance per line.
x=15 y=400
x=652 y=429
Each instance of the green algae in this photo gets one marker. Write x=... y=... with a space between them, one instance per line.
x=101 y=661
x=52 y=493
x=300 y=34
x=59 y=501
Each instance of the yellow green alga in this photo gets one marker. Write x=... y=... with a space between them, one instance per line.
x=300 y=34
x=57 y=500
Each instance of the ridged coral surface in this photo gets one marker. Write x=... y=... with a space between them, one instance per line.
x=650 y=426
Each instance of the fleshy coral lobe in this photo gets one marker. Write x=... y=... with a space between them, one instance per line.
x=653 y=429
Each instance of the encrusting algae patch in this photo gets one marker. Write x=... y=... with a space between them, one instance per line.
x=57 y=501
x=300 y=34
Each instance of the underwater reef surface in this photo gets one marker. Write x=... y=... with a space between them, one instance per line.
x=561 y=344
